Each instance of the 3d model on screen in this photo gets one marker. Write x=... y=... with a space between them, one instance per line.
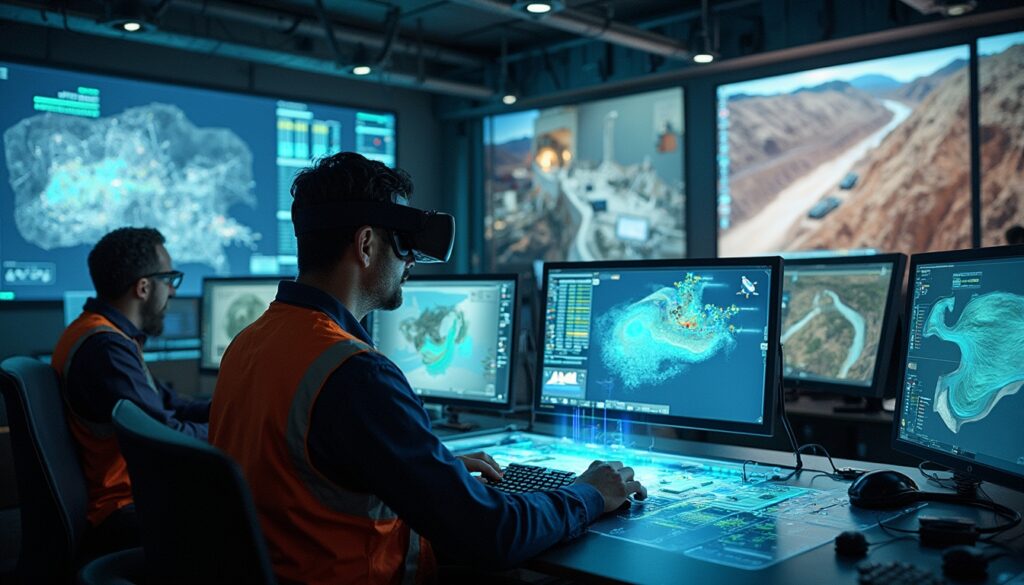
x=242 y=311
x=438 y=334
x=74 y=179
x=652 y=340
x=990 y=335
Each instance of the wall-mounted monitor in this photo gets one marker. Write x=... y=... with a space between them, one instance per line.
x=1001 y=133
x=85 y=153
x=599 y=180
x=873 y=154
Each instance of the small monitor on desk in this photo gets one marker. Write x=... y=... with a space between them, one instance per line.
x=230 y=305
x=689 y=343
x=839 y=321
x=453 y=338
x=961 y=402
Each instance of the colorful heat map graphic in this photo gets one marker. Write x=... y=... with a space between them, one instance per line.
x=990 y=335
x=654 y=339
x=438 y=334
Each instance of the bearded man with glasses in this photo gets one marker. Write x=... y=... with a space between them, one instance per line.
x=99 y=361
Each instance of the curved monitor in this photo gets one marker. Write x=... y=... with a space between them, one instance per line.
x=687 y=343
x=960 y=403
x=839 y=321
x=453 y=338
x=230 y=305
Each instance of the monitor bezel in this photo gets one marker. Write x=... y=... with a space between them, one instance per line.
x=772 y=362
x=890 y=324
x=462 y=403
x=203 y=367
x=970 y=468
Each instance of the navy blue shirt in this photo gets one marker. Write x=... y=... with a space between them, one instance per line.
x=108 y=367
x=369 y=433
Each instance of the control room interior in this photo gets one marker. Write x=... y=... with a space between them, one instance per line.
x=759 y=249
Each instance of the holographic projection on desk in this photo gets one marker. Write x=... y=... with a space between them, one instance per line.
x=700 y=508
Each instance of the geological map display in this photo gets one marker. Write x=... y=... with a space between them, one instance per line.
x=451 y=341
x=678 y=342
x=832 y=322
x=965 y=364
x=228 y=308
x=84 y=154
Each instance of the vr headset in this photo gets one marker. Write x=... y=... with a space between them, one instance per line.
x=427 y=235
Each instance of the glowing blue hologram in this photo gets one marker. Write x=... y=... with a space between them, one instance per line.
x=439 y=334
x=990 y=335
x=657 y=337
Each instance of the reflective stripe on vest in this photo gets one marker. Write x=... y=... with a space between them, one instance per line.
x=345 y=502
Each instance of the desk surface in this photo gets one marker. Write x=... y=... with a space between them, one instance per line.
x=602 y=557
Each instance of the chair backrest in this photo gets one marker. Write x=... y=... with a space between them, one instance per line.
x=51 y=487
x=198 y=520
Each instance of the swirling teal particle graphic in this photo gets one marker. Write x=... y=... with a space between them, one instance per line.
x=654 y=339
x=440 y=334
x=990 y=335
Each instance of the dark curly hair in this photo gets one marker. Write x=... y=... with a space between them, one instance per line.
x=122 y=257
x=345 y=176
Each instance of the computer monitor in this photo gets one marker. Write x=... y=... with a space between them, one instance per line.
x=960 y=403
x=688 y=343
x=839 y=320
x=230 y=305
x=179 y=339
x=453 y=338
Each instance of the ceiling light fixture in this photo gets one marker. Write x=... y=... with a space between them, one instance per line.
x=539 y=7
x=362 y=70
x=958 y=8
x=701 y=45
x=509 y=99
x=131 y=26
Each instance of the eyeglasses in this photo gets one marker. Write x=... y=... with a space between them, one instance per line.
x=172 y=277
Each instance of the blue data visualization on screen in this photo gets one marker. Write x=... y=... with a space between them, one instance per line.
x=683 y=342
x=965 y=362
x=85 y=154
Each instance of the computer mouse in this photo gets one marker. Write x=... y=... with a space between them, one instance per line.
x=965 y=562
x=851 y=544
x=884 y=488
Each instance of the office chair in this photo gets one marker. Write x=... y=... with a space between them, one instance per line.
x=124 y=567
x=48 y=472
x=197 y=516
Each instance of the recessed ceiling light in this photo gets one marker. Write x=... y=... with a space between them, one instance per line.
x=362 y=70
x=703 y=58
x=509 y=99
x=538 y=7
x=958 y=8
x=131 y=26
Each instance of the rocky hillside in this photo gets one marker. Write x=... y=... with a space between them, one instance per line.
x=914 y=194
x=914 y=92
x=1001 y=81
x=773 y=140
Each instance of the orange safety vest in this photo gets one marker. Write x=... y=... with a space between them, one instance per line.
x=316 y=531
x=105 y=471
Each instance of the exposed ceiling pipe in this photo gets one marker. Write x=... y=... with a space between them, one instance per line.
x=282 y=22
x=594 y=27
x=87 y=24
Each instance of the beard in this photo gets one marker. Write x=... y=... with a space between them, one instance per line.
x=153 y=317
x=387 y=289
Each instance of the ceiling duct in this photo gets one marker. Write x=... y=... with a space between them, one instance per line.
x=283 y=22
x=88 y=24
x=592 y=27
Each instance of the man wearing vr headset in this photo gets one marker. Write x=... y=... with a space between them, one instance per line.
x=348 y=480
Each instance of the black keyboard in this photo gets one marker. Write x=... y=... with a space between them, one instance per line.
x=896 y=573
x=531 y=478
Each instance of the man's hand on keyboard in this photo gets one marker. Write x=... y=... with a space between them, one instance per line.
x=484 y=464
x=614 y=481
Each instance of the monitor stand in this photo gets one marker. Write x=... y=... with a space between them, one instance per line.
x=452 y=421
x=863 y=405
